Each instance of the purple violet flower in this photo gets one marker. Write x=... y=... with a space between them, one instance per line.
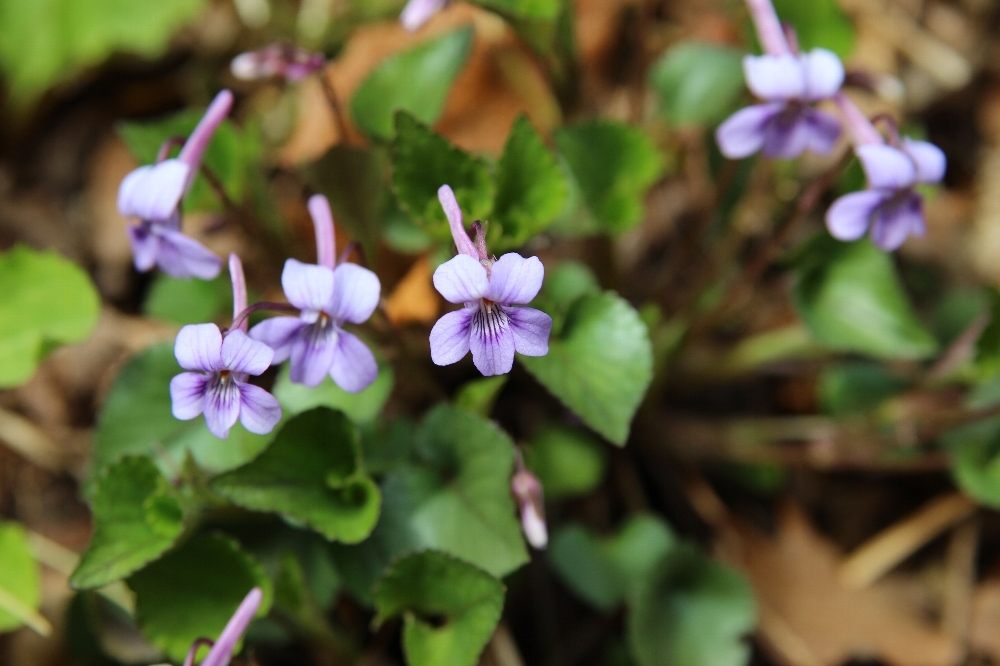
x=328 y=296
x=890 y=207
x=222 y=649
x=489 y=325
x=527 y=490
x=790 y=83
x=153 y=193
x=418 y=12
x=218 y=365
x=280 y=60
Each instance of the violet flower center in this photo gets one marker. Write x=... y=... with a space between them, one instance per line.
x=490 y=319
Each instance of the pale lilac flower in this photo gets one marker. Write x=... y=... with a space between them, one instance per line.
x=527 y=491
x=280 y=60
x=222 y=649
x=218 y=365
x=418 y=12
x=153 y=194
x=328 y=296
x=790 y=83
x=489 y=325
x=890 y=207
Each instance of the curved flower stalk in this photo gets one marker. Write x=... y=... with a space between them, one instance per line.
x=891 y=208
x=418 y=12
x=787 y=123
x=527 y=491
x=218 y=365
x=489 y=325
x=276 y=60
x=328 y=297
x=153 y=194
x=222 y=649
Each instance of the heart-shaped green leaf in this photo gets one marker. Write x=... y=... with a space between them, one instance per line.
x=362 y=407
x=138 y=516
x=600 y=365
x=613 y=165
x=692 y=611
x=449 y=607
x=47 y=300
x=137 y=419
x=416 y=81
x=422 y=162
x=698 y=83
x=534 y=10
x=568 y=462
x=20 y=591
x=188 y=301
x=531 y=188
x=192 y=592
x=606 y=571
x=310 y=475
x=850 y=297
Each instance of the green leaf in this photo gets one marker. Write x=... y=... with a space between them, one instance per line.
x=362 y=407
x=423 y=161
x=567 y=462
x=693 y=611
x=453 y=495
x=137 y=419
x=698 y=83
x=20 y=591
x=818 y=23
x=536 y=10
x=193 y=591
x=138 y=516
x=47 y=300
x=416 y=80
x=232 y=154
x=188 y=301
x=47 y=41
x=600 y=365
x=975 y=460
x=613 y=165
x=531 y=188
x=479 y=395
x=604 y=572
x=857 y=386
x=565 y=283
x=852 y=300
x=449 y=607
x=310 y=475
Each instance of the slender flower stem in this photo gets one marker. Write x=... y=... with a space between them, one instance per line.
x=335 y=108
x=239 y=289
x=769 y=30
x=167 y=146
x=760 y=262
x=193 y=652
x=241 y=318
x=353 y=246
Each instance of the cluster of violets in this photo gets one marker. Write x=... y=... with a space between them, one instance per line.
x=322 y=298
x=787 y=123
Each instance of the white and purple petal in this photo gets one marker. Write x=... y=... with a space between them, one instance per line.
x=850 y=216
x=450 y=336
x=514 y=279
x=355 y=294
x=354 y=367
x=928 y=159
x=259 y=410
x=788 y=135
x=312 y=354
x=187 y=395
x=145 y=246
x=887 y=168
x=418 y=12
x=242 y=354
x=198 y=347
x=152 y=192
x=824 y=74
x=531 y=329
x=461 y=279
x=181 y=256
x=898 y=219
x=278 y=334
x=307 y=286
x=222 y=404
x=824 y=131
x=491 y=341
x=742 y=134
x=775 y=77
